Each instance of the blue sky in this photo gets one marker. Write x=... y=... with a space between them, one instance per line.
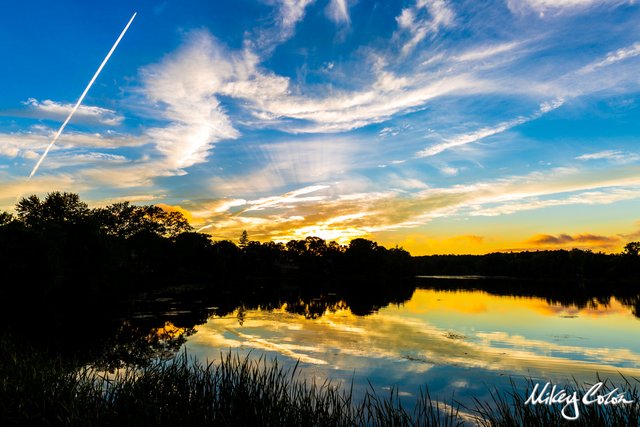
x=442 y=126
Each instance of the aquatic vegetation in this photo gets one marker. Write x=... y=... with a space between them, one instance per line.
x=235 y=391
x=247 y=391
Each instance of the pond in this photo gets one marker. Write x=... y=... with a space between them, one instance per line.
x=459 y=341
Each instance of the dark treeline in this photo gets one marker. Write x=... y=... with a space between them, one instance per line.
x=59 y=245
x=60 y=238
x=577 y=277
x=69 y=267
x=575 y=264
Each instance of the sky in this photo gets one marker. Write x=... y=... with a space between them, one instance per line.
x=439 y=126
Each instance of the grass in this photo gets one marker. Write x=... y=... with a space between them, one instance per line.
x=241 y=391
x=234 y=392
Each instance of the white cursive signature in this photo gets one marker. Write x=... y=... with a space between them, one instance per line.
x=570 y=399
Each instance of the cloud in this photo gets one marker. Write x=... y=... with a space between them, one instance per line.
x=449 y=171
x=132 y=198
x=183 y=87
x=48 y=109
x=613 y=57
x=176 y=208
x=423 y=18
x=13 y=187
x=90 y=159
x=338 y=11
x=291 y=12
x=583 y=198
x=282 y=28
x=558 y=6
x=483 y=52
x=564 y=239
x=486 y=132
x=287 y=199
x=326 y=211
x=27 y=144
x=293 y=163
x=210 y=209
x=343 y=111
x=610 y=155
x=269 y=100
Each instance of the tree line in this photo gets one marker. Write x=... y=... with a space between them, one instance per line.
x=58 y=244
x=70 y=270
x=574 y=264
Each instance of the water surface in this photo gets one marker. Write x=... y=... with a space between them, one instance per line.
x=456 y=342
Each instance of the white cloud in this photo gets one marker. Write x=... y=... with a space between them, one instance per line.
x=183 y=86
x=237 y=75
x=417 y=26
x=293 y=163
x=92 y=159
x=583 y=198
x=613 y=57
x=48 y=109
x=338 y=11
x=483 y=52
x=342 y=111
x=287 y=199
x=611 y=155
x=449 y=171
x=289 y=13
x=28 y=144
x=556 y=6
x=486 y=132
x=271 y=100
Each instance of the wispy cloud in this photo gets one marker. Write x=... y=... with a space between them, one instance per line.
x=321 y=210
x=486 y=132
x=557 y=6
x=86 y=160
x=48 y=109
x=293 y=163
x=610 y=155
x=566 y=239
x=338 y=11
x=287 y=200
x=484 y=52
x=613 y=57
x=582 y=198
x=346 y=111
x=423 y=18
x=289 y=13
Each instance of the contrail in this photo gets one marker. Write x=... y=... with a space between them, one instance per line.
x=75 y=107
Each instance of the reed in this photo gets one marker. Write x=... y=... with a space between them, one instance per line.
x=238 y=391
x=233 y=392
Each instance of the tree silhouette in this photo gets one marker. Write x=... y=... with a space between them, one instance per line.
x=632 y=249
x=244 y=239
x=125 y=220
x=5 y=218
x=56 y=209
